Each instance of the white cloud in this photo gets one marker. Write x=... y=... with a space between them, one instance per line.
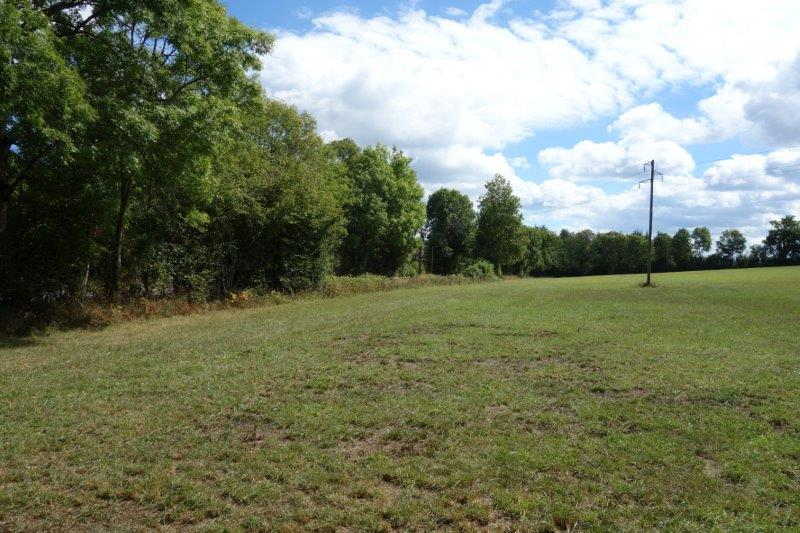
x=775 y=106
x=455 y=11
x=623 y=160
x=304 y=13
x=329 y=136
x=421 y=80
x=468 y=168
x=736 y=40
x=724 y=112
x=520 y=162
x=652 y=122
x=742 y=172
x=487 y=10
x=784 y=163
x=456 y=91
x=744 y=191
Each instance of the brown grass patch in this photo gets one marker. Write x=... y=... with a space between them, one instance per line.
x=99 y=314
x=385 y=441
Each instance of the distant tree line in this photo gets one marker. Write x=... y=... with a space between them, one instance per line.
x=456 y=235
x=139 y=157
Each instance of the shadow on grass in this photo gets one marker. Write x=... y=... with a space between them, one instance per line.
x=7 y=343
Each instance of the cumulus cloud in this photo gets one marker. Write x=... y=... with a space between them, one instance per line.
x=775 y=106
x=520 y=162
x=784 y=163
x=622 y=160
x=652 y=122
x=743 y=191
x=456 y=91
x=468 y=168
x=455 y=11
x=421 y=80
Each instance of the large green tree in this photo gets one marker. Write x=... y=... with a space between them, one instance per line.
x=608 y=252
x=682 y=249
x=783 y=240
x=450 y=231
x=578 y=256
x=163 y=82
x=43 y=104
x=731 y=244
x=637 y=252
x=277 y=216
x=701 y=241
x=543 y=252
x=384 y=209
x=663 y=260
x=500 y=237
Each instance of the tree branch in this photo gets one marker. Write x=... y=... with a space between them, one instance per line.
x=52 y=9
x=182 y=88
x=83 y=24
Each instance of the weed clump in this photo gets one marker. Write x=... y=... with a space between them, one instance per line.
x=480 y=270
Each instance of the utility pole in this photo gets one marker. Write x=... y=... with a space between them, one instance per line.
x=650 y=231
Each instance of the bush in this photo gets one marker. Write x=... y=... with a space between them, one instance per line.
x=480 y=269
x=349 y=285
x=410 y=269
x=98 y=313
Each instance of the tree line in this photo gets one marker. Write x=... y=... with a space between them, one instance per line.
x=140 y=157
x=456 y=235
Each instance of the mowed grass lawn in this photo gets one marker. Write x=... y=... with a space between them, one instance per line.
x=541 y=404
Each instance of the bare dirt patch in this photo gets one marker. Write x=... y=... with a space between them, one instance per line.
x=386 y=442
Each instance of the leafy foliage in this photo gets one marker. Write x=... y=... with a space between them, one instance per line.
x=577 y=252
x=139 y=157
x=543 y=251
x=384 y=209
x=731 y=244
x=278 y=213
x=701 y=241
x=783 y=240
x=682 y=250
x=43 y=102
x=500 y=236
x=663 y=260
x=450 y=231
x=480 y=269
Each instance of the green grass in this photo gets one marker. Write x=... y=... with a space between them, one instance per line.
x=545 y=404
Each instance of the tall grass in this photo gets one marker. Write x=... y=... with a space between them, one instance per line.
x=94 y=314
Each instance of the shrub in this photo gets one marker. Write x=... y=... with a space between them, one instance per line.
x=410 y=269
x=349 y=285
x=98 y=313
x=480 y=269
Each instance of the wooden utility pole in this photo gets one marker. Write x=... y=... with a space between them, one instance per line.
x=649 y=282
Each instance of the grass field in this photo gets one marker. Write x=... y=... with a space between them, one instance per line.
x=534 y=405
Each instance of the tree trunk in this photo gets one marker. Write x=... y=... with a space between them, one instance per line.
x=84 y=291
x=146 y=284
x=119 y=235
x=3 y=215
x=5 y=192
x=6 y=186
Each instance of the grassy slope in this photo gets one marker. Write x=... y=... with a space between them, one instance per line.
x=531 y=404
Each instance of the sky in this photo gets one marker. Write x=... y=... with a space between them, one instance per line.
x=566 y=98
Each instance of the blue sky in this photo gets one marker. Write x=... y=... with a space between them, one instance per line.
x=297 y=15
x=567 y=98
